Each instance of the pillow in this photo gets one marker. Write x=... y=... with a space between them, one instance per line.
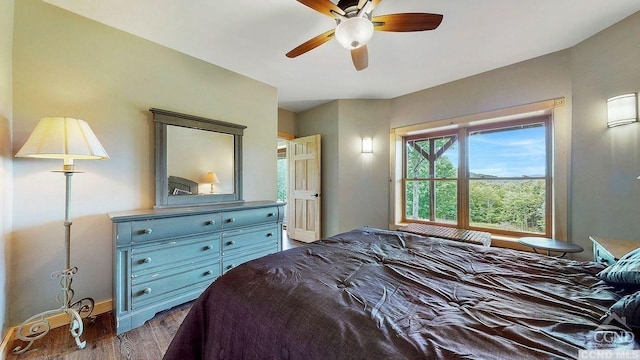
x=625 y=271
x=628 y=309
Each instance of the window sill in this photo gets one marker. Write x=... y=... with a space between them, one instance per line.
x=497 y=240
x=508 y=242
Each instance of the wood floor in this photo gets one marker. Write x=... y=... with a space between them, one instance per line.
x=288 y=243
x=148 y=342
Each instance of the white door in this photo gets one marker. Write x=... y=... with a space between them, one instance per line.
x=303 y=221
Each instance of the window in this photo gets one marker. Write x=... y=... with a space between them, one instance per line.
x=431 y=186
x=494 y=177
x=282 y=172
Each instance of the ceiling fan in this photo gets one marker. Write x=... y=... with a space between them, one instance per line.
x=355 y=26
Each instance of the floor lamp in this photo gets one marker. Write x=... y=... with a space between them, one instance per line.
x=67 y=139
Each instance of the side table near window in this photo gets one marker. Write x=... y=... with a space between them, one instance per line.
x=550 y=245
x=608 y=251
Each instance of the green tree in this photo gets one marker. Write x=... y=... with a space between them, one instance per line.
x=418 y=192
x=524 y=205
x=485 y=202
x=282 y=179
x=446 y=191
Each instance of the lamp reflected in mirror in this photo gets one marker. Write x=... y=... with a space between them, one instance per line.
x=210 y=178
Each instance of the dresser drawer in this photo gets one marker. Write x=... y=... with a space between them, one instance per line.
x=240 y=240
x=244 y=245
x=168 y=256
x=173 y=253
x=159 y=286
x=235 y=219
x=231 y=262
x=155 y=229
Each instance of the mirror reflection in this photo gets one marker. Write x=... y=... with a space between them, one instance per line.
x=200 y=162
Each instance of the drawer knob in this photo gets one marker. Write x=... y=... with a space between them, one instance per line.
x=208 y=247
x=147 y=291
x=208 y=272
x=230 y=242
x=210 y=222
x=269 y=234
x=146 y=260
x=229 y=267
x=271 y=214
x=230 y=220
x=147 y=231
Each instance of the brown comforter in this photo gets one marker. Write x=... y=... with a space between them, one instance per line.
x=375 y=294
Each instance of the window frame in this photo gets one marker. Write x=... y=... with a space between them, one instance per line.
x=432 y=179
x=464 y=181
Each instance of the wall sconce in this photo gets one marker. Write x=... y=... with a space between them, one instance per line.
x=367 y=145
x=622 y=109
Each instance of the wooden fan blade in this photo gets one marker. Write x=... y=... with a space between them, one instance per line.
x=323 y=6
x=361 y=3
x=406 y=22
x=360 y=57
x=312 y=44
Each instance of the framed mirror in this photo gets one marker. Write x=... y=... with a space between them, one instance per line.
x=198 y=160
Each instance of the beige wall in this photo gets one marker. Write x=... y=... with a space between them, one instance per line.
x=530 y=81
x=68 y=65
x=606 y=161
x=323 y=120
x=364 y=178
x=6 y=181
x=286 y=122
x=355 y=186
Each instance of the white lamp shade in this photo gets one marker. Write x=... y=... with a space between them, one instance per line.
x=354 y=32
x=63 y=138
x=211 y=178
x=622 y=109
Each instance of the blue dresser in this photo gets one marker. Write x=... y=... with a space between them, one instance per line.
x=166 y=257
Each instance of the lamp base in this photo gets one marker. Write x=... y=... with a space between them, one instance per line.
x=37 y=326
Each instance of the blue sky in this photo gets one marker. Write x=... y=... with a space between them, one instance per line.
x=514 y=153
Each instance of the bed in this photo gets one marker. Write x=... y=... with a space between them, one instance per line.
x=379 y=294
x=182 y=186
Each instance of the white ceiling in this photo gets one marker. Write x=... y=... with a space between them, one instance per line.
x=251 y=37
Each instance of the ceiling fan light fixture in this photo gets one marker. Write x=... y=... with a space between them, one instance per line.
x=354 y=32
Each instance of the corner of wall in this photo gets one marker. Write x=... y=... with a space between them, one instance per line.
x=6 y=152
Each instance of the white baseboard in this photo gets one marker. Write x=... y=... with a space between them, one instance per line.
x=54 y=321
